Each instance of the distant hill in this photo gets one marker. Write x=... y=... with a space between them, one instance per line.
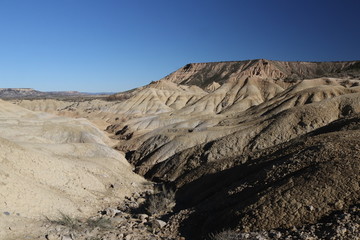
x=29 y=93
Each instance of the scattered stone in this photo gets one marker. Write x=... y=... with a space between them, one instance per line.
x=125 y=224
x=141 y=200
x=52 y=236
x=66 y=237
x=341 y=225
x=143 y=217
x=112 y=212
x=156 y=223
x=129 y=237
x=339 y=205
x=344 y=225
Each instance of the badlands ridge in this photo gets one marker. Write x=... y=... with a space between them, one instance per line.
x=249 y=146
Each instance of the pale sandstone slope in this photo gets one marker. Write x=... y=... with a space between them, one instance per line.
x=54 y=164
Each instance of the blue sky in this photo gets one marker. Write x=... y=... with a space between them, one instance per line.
x=116 y=45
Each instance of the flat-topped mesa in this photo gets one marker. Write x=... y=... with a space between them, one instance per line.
x=204 y=74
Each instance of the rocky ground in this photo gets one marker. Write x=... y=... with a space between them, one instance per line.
x=131 y=221
x=134 y=219
x=339 y=225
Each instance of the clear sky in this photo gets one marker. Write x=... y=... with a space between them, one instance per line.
x=116 y=45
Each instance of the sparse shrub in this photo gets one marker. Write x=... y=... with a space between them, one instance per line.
x=75 y=224
x=102 y=223
x=67 y=221
x=161 y=202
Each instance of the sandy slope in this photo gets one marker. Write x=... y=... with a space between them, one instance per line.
x=52 y=164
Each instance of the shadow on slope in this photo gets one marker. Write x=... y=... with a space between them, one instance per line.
x=291 y=184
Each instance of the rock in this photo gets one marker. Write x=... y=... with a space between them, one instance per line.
x=156 y=223
x=66 y=237
x=275 y=234
x=112 y=236
x=143 y=217
x=259 y=237
x=52 y=236
x=140 y=200
x=339 y=205
x=129 y=237
x=341 y=230
x=112 y=212
x=311 y=208
x=59 y=228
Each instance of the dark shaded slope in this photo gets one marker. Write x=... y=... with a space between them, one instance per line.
x=291 y=184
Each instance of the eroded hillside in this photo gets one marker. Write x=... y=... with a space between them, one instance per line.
x=247 y=144
x=51 y=165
